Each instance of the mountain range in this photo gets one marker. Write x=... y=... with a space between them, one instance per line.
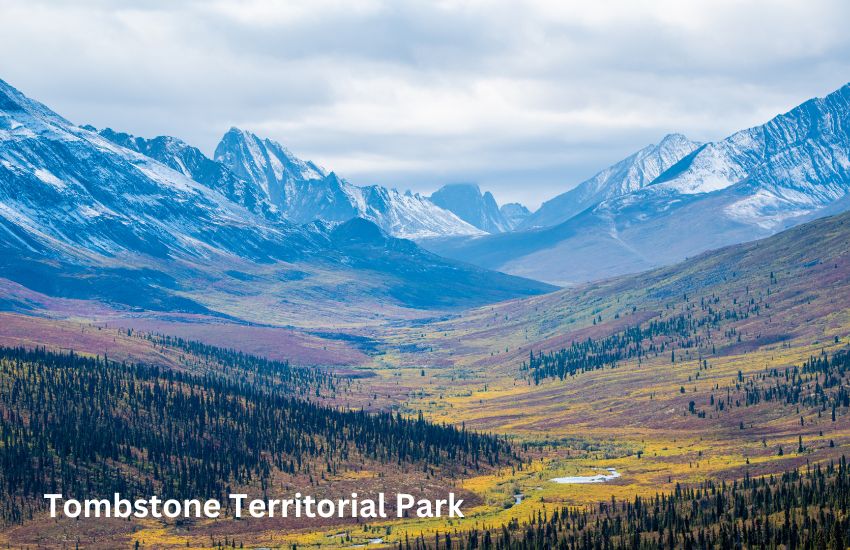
x=305 y=192
x=192 y=163
x=157 y=225
x=82 y=210
x=260 y=173
x=266 y=177
x=756 y=182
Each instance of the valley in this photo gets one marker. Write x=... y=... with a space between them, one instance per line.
x=252 y=322
x=723 y=387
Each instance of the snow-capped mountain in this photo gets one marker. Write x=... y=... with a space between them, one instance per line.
x=190 y=161
x=69 y=189
x=756 y=182
x=270 y=166
x=626 y=176
x=407 y=215
x=305 y=192
x=84 y=217
x=514 y=213
x=467 y=202
x=795 y=164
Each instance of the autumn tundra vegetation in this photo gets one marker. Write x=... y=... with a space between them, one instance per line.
x=716 y=389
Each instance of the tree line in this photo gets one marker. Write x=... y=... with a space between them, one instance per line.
x=697 y=325
x=82 y=426
x=646 y=339
x=305 y=381
x=819 y=383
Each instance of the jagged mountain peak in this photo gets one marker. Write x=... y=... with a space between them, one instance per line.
x=302 y=169
x=304 y=192
x=265 y=162
x=193 y=163
x=514 y=213
x=467 y=202
x=674 y=138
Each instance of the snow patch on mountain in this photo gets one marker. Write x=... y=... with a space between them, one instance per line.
x=47 y=177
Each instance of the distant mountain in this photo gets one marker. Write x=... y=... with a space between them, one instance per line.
x=191 y=162
x=305 y=192
x=514 y=213
x=86 y=218
x=626 y=176
x=473 y=207
x=752 y=184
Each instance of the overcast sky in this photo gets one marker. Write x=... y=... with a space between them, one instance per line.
x=525 y=98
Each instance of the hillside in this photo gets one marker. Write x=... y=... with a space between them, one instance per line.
x=800 y=274
x=86 y=426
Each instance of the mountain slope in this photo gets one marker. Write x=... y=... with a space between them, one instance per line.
x=423 y=279
x=750 y=185
x=467 y=202
x=794 y=164
x=630 y=174
x=191 y=162
x=794 y=284
x=83 y=217
x=304 y=192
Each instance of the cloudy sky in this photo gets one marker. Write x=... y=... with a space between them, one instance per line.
x=525 y=98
